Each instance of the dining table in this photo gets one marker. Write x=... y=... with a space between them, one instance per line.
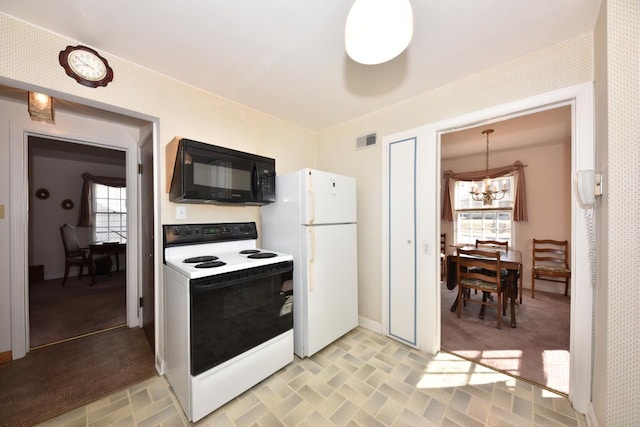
x=510 y=260
x=105 y=248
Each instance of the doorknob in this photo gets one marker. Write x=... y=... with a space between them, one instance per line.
x=148 y=256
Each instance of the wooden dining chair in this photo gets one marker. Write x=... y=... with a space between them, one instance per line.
x=74 y=255
x=550 y=263
x=492 y=244
x=495 y=244
x=480 y=270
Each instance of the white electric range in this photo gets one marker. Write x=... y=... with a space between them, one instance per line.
x=228 y=308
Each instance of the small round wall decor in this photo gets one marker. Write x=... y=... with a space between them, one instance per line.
x=67 y=204
x=42 y=193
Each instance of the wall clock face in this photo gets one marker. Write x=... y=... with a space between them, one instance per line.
x=86 y=66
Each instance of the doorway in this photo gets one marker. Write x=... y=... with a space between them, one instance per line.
x=428 y=177
x=61 y=307
x=541 y=141
x=92 y=126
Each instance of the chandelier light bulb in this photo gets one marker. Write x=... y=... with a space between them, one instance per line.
x=378 y=30
x=490 y=191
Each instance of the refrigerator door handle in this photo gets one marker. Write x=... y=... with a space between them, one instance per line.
x=312 y=257
x=312 y=207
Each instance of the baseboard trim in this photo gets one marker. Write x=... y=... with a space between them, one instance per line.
x=370 y=324
x=160 y=365
x=592 y=421
x=5 y=356
x=542 y=286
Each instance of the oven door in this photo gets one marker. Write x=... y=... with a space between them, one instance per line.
x=234 y=312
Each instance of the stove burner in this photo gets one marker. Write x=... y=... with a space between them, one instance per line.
x=198 y=259
x=210 y=264
x=262 y=255
x=249 y=251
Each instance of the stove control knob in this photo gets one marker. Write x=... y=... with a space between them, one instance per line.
x=176 y=231
x=187 y=231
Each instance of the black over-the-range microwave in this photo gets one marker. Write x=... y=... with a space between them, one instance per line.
x=205 y=173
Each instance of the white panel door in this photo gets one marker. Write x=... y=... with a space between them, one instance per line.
x=402 y=240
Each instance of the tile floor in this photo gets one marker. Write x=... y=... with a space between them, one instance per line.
x=363 y=379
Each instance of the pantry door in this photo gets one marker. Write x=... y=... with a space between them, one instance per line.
x=412 y=249
x=402 y=240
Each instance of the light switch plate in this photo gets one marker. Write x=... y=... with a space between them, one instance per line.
x=181 y=212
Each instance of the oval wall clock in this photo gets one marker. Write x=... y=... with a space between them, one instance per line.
x=86 y=66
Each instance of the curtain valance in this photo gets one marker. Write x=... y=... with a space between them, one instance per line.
x=85 y=216
x=516 y=169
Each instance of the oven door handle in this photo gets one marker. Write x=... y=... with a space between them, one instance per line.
x=234 y=278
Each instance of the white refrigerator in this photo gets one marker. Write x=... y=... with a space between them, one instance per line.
x=314 y=219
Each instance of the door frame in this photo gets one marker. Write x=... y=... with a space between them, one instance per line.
x=580 y=97
x=149 y=136
x=19 y=188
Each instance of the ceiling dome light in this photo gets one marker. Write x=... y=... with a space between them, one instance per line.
x=378 y=30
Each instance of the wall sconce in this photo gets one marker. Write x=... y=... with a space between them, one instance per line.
x=40 y=107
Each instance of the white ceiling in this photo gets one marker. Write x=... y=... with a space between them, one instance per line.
x=550 y=126
x=287 y=58
x=66 y=150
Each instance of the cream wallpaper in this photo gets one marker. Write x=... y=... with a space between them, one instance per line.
x=28 y=58
x=616 y=391
x=599 y=388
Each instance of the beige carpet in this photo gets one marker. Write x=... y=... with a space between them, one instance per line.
x=537 y=350
x=60 y=312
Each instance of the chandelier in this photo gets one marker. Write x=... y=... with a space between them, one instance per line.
x=491 y=191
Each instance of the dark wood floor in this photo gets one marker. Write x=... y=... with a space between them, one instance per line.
x=72 y=369
x=55 y=379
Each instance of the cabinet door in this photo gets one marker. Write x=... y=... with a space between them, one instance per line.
x=402 y=240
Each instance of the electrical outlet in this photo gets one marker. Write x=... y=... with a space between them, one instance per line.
x=181 y=212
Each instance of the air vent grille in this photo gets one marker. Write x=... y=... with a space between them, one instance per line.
x=365 y=141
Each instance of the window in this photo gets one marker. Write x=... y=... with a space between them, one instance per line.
x=473 y=220
x=110 y=213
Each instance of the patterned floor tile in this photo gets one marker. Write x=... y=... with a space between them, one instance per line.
x=363 y=379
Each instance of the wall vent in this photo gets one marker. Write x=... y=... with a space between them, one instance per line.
x=366 y=140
